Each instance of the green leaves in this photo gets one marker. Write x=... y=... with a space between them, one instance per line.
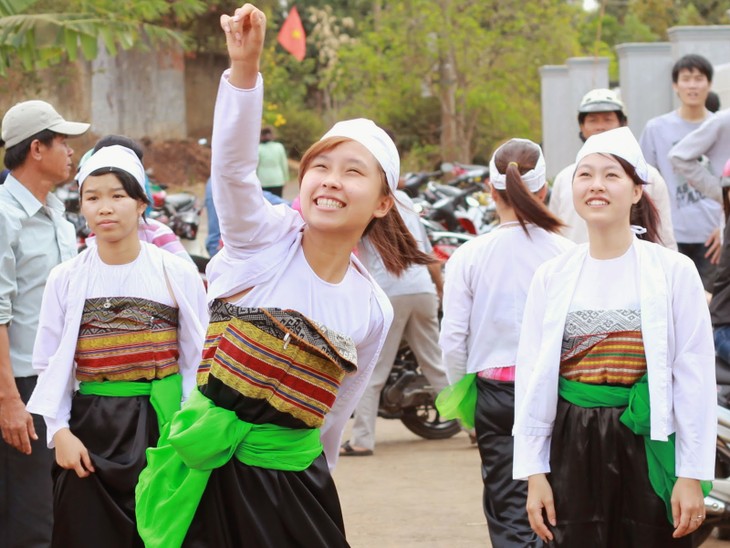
x=39 y=39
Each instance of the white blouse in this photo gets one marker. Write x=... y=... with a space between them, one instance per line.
x=262 y=252
x=87 y=276
x=485 y=288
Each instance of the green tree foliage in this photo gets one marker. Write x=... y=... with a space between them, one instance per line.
x=39 y=33
x=456 y=76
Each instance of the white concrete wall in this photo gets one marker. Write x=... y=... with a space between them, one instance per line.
x=563 y=86
x=139 y=94
x=645 y=74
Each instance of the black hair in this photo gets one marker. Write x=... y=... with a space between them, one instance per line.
x=712 y=103
x=129 y=184
x=267 y=134
x=110 y=140
x=691 y=62
x=15 y=155
x=644 y=212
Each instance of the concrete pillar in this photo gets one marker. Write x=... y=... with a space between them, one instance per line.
x=711 y=41
x=645 y=73
x=563 y=86
x=139 y=94
x=555 y=87
x=721 y=84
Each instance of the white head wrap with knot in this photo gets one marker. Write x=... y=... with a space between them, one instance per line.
x=376 y=140
x=115 y=156
x=619 y=142
x=534 y=179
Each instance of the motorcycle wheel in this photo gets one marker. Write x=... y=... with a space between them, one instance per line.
x=425 y=421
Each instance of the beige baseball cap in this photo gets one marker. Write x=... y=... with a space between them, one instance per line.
x=25 y=119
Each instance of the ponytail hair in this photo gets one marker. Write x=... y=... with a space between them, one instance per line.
x=515 y=158
x=643 y=213
x=389 y=234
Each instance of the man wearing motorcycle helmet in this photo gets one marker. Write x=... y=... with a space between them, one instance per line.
x=601 y=110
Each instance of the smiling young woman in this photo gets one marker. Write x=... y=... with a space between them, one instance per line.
x=125 y=322
x=606 y=326
x=296 y=327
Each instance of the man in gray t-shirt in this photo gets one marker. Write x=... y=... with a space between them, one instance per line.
x=696 y=217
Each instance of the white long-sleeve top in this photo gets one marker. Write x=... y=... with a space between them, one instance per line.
x=85 y=277
x=561 y=204
x=485 y=288
x=680 y=358
x=262 y=250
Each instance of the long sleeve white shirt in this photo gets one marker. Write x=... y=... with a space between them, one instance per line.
x=70 y=284
x=485 y=288
x=680 y=357
x=262 y=252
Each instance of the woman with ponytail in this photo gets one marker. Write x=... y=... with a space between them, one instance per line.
x=484 y=293
x=615 y=422
x=295 y=331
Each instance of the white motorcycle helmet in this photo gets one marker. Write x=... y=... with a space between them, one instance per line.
x=601 y=100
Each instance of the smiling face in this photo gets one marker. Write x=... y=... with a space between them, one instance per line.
x=692 y=87
x=342 y=190
x=603 y=192
x=109 y=210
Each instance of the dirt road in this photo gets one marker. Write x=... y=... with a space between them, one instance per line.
x=416 y=492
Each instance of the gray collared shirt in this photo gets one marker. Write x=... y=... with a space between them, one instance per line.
x=33 y=239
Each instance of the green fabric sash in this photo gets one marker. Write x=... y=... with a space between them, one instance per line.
x=165 y=394
x=660 y=455
x=459 y=401
x=203 y=437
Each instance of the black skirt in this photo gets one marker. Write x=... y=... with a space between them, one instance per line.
x=603 y=497
x=99 y=510
x=248 y=506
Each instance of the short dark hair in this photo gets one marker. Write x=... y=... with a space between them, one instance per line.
x=691 y=62
x=15 y=156
x=129 y=183
x=110 y=140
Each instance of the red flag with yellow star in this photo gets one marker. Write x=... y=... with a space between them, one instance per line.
x=291 y=36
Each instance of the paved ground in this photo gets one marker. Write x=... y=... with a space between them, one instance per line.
x=416 y=492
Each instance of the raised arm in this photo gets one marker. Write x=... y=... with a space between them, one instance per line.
x=247 y=221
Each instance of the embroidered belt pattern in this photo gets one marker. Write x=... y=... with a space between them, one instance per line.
x=278 y=356
x=133 y=339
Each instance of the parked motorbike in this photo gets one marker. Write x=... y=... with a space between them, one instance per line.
x=180 y=211
x=409 y=397
x=69 y=194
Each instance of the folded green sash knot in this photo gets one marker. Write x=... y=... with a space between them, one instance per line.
x=203 y=437
x=459 y=401
x=165 y=394
x=660 y=455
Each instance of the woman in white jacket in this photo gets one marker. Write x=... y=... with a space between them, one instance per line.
x=119 y=340
x=486 y=286
x=608 y=327
x=295 y=331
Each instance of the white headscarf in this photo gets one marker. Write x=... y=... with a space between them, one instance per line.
x=376 y=140
x=533 y=179
x=619 y=142
x=115 y=156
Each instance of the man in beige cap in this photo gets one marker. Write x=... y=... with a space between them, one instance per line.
x=34 y=237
